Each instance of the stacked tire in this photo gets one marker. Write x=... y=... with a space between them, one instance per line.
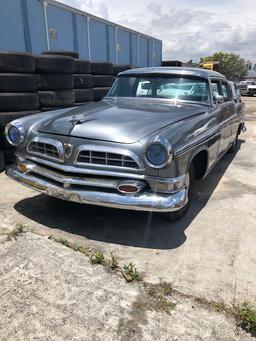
x=55 y=81
x=83 y=82
x=18 y=95
x=102 y=79
x=117 y=68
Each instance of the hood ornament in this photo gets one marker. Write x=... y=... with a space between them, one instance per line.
x=68 y=148
x=74 y=122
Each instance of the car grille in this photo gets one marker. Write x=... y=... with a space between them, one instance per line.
x=104 y=158
x=44 y=149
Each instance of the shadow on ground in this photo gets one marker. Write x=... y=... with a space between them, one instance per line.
x=122 y=227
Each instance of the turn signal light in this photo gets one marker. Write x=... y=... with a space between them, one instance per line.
x=22 y=167
x=128 y=189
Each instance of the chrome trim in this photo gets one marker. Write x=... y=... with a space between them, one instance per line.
x=19 y=126
x=147 y=201
x=203 y=139
x=104 y=149
x=168 y=148
x=157 y=184
x=198 y=141
x=173 y=102
x=82 y=170
x=166 y=185
x=71 y=180
x=57 y=144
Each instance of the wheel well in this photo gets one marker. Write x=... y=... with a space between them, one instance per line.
x=200 y=162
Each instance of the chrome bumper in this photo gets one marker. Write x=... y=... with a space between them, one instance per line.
x=146 y=201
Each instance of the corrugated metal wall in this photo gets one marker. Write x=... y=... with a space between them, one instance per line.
x=23 y=27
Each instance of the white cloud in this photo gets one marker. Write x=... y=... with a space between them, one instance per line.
x=96 y=7
x=189 y=29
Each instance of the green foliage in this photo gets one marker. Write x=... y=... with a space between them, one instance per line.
x=97 y=258
x=231 y=65
x=130 y=272
x=113 y=263
x=247 y=316
x=64 y=242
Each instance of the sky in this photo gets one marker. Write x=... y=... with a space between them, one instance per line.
x=189 y=29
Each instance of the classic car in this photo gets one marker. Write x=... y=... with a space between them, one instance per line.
x=136 y=150
x=248 y=88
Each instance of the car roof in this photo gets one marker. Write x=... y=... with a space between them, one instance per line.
x=174 y=71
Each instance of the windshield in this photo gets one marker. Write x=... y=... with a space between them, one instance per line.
x=174 y=87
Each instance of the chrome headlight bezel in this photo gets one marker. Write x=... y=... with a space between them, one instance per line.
x=167 y=149
x=19 y=126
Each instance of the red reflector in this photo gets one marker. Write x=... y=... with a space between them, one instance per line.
x=128 y=189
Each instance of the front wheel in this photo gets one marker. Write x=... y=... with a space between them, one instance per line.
x=190 y=177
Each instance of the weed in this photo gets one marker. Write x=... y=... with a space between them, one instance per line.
x=64 y=242
x=155 y=298
x=246 y=317
x=73 y=246
x=113 y=263
x=130 y=272
x=18 y=230
x=162 y=289
x=81 y=249
x=98 y=258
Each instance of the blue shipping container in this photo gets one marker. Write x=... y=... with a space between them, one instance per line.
x=37 y=25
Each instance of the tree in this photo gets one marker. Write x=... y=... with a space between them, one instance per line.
x=231 y=65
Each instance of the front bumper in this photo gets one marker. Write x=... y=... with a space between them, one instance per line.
x=145 y=201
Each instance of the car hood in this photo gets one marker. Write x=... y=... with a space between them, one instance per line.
x=120 y=121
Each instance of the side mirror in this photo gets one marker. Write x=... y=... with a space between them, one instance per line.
x=237 y=97
x=218 y=99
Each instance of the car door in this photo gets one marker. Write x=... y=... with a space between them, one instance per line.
x=229 y=107
x=239 y=109
x=221 y=115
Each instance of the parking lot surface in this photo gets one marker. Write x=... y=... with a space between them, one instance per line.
x=210 y=253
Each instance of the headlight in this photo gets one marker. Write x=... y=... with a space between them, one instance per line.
x=157 y=155
x=14 y=133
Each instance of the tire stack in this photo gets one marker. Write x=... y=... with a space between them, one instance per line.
x=55 y=80
x=102 y=79
x=83 y=82
x=18 y=95
x=120 y=68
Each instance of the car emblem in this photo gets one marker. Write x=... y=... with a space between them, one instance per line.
x=68 y=148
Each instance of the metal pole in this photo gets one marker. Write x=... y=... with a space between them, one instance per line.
x=138 y=49
x=153 y=53
x=116 y=44
x=88 y=37
x=45 y=4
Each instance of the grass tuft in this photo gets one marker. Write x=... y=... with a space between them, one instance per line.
x=131 y=273
x=157 y=298
x=112 y=262
x=98 y=258
x=16 y=232
x=246 y=317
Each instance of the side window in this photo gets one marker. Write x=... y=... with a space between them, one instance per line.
x=215 y=85
x=226 y=91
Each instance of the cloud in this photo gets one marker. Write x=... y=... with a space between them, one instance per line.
x=96 y=7
x=190 y=34
x=189 y=29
